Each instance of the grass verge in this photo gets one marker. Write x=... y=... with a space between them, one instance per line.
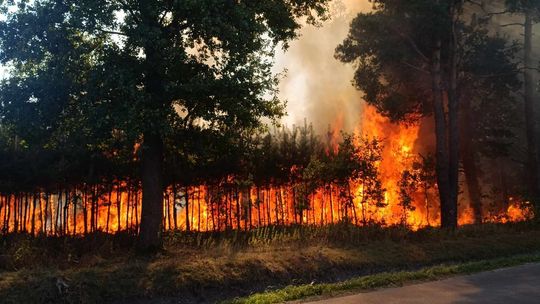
x=211 y=267
x=381 y=280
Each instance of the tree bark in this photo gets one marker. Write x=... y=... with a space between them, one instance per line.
x=152 y=147
x=186 y=196
x=108 y=211
x=33 y=224
x=442 y=157
x=198 y=210
x=175 y=216
x=453 y=121
x=530 y=114
x=152 y=185
x=468 y=158
x=128 y=224
x=45 y=218
x=118 y=207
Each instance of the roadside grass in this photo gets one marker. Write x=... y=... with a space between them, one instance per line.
x=381 y=280
x=209 y=267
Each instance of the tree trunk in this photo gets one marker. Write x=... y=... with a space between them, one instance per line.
x=118 y=207
x=250 y=209
x=169 y=216
x=322 y=206
x=85 y=210
x=426 y=201
x=198 y=210
x=442 y=157
x=453 y=120
x=175 y=216
x=2 y=200
x=16 y=213
x=259 y=206
x=154 y=107
x=136 y=207
x=268 y=210
x=128 y=202
x=33 y=224
x=152 y=187
x=108 y=211
x=93 y=213
x=530 y=115
x=57 y=217
x=25 y=219
x=192 y=208
x=186 y=196
x=468 y=158
x=66 y=211
x=45 y=218
x=331 y=205
x=75 y=211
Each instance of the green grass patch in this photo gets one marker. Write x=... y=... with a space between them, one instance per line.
x=386 y=279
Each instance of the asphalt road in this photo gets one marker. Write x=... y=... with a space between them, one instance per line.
x=515 y=285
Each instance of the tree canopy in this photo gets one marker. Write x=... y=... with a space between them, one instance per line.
x=97 y=73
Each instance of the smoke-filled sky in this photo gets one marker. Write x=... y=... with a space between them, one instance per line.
x=317 y=86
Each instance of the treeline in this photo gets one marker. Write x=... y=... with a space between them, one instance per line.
x=98 y=77
x=280 y=178
x=472 y=67
x=163 y=108
x=284 y=177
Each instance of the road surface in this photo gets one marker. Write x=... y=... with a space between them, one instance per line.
x=517 y=285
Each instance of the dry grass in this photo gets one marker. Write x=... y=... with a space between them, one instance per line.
x=211 y=267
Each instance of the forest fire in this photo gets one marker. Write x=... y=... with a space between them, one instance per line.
x=383 y=173
x=209 y=151
x=229 y=205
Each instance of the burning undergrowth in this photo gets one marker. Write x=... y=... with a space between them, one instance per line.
x=382 y=174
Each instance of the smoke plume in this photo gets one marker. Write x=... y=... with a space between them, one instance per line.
x=317 y=86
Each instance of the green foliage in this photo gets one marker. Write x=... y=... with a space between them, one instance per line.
x=89 y=78
x=531 y=7
x=357 y=163
x=391 y=49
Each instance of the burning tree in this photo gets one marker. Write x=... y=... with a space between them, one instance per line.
x=355 y=166
x=530 y=10
x=408 y=70
x=408 y=185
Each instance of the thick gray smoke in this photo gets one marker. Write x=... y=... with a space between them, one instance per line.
x=317 y=86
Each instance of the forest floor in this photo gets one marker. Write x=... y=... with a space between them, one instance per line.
x=211 y=267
